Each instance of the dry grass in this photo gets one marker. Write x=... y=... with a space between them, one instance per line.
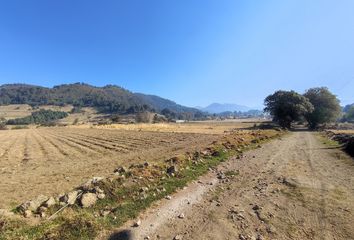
x=343 y=131
x=23 y=110
x=207 y=127
x=15 y=111
x=51 y=160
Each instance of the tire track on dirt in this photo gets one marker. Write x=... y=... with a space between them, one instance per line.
x=299 y=209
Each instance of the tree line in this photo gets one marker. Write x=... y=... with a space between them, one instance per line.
x=316 y=106
x=39 y=117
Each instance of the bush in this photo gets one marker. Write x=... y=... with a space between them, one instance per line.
x=3 y=124
x=39 y=117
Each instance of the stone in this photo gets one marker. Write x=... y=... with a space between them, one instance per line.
x=90 y=183
x=260 y=237
x=88 y=199
x=168 y=197
x=178 y=237
x=181 y=216
x=120 y=170
x=137 y=223
x=101 y=196
x=241 y=237
x=33 y=204
x=27 y=213
x=171 y=170
x=50 y=202
x=98 y=190
x=271 y=229
x=72 y=196
x=104 y=213
x=42 y=209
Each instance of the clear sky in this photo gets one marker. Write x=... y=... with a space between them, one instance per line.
x=194 y=52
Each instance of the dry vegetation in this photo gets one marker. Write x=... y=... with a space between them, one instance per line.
x=54 y=160
x=205 y=127
x=343 y=131
x=51 y=160
x=15 y=111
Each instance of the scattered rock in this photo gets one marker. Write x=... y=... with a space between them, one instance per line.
x=256 y=207
x=101 y=196
x=120 y=170
x=260 y=237
x=171 y=170
x=178 y=237
x=88 y=199
x=50 y=202
x=271 y=229
x=143 y=189
x=221 y=175
x=290 y=182
x=42 y=209
x=33 y=204
x=27 y=213
x=241 y=237
x=71 y=197
x=90 y=183
x=137 y=223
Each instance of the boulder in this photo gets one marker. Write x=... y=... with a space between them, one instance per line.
x=50 y=202
x=33 y=204
x=72 y=196
x=88 y=199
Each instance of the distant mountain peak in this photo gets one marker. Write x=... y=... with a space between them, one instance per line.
x=224 y=107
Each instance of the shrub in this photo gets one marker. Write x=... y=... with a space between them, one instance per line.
x=39 y=117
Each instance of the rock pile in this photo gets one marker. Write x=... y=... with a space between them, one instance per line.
x=85 y=196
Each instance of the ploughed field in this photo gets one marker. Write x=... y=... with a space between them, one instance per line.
x=53 y=160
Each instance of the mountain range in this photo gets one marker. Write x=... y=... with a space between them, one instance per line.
x=108 y=99
x=216 y=108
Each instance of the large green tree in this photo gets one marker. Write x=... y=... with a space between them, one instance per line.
x=326 y=107
x=287 y=107
x=349 y=115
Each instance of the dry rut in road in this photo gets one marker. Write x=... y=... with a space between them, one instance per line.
x=291 y=188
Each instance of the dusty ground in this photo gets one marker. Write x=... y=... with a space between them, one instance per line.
x=291 y=188
x=205 y=127
x=343 y=131
x=53 y=160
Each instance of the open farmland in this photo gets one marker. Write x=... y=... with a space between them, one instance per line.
x=204 y=127
x=53 y=160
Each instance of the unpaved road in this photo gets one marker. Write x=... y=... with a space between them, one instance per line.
x=291 y=188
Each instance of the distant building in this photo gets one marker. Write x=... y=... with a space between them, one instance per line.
x=180 y=121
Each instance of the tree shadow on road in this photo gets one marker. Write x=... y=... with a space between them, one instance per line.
x=121 y=235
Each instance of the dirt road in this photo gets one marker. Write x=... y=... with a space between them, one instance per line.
x=291 y=188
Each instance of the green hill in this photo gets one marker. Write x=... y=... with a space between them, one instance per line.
x=107 y=99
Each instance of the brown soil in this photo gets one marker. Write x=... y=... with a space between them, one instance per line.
x=291 y=188
x=53 y=160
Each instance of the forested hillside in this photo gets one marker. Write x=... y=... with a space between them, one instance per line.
x=108 y=99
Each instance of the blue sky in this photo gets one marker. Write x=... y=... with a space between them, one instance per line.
x=194 y=52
